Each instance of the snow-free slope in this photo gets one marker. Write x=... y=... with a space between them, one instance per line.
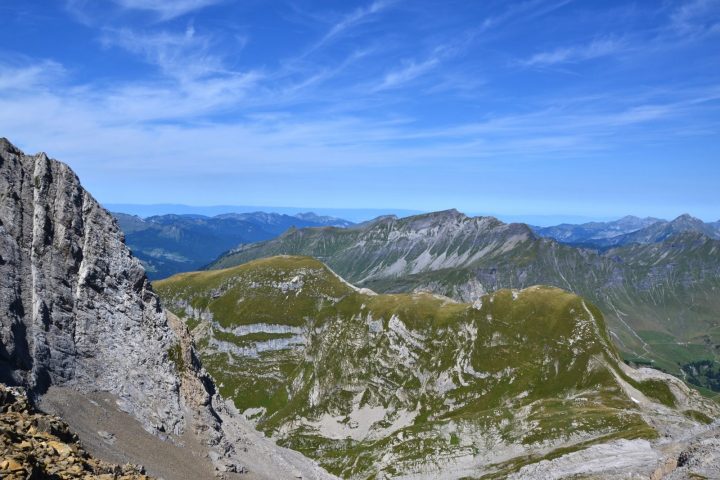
x=659 y=299
x=418 y=385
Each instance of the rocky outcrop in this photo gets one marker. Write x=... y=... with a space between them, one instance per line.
x=80 y=310
x=82 y=315
x=34 y=445
x=700 y=458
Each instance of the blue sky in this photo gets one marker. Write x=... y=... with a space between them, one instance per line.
x=589 y=108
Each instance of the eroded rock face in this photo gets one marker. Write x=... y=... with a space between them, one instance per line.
x=80 y=313
x=34 y=445
x=79 y=308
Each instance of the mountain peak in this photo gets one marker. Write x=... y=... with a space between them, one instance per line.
x=7 y=146
x=324 y=220
x=374 y=221
x=451 y=212
x=440 y=215
x=686 y=217
x=688 y=222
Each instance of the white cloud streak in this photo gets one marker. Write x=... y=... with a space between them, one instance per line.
x=179 y=55
x=578 y=53
x=408 y=72
x=350 y=21
x=412 y=69
x=24 y=75
x=696 y=18
x=167 y=9
x=522 y=11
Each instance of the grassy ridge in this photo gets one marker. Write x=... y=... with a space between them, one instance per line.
x=531 y=368
x=670 y=287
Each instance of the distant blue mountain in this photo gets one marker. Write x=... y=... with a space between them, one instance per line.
x=353 y=214
x=626 y=231
x=174 y=243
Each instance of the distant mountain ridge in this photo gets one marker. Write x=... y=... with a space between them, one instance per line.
x=578 y=233
x=272 y=221
x=659 y=231
x=660 y=299
x=169 y=244
x=159 y=209
x=627 y=230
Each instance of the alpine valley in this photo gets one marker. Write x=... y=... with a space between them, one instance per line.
x=169 y=244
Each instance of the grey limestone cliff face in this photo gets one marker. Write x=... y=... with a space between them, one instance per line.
x=77 y=311
x=78 y=308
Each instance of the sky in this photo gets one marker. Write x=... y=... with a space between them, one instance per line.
x=535 y=107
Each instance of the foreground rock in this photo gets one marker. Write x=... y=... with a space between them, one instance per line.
x=35 y=445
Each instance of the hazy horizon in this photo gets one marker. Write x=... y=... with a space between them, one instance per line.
x=355 y=214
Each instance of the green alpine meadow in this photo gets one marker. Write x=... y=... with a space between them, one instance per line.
x=660 y=299
x=417 y=384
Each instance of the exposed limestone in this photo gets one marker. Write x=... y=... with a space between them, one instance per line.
x=80 y=310
x=81 y=314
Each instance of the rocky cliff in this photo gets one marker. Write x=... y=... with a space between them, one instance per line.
x=80 y=310
x=82 y=316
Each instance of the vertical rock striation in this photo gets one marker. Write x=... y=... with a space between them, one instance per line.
x=79 y=312
x=79 y=309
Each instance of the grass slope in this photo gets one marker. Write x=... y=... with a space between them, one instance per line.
x=399 y=383
x=670 y=287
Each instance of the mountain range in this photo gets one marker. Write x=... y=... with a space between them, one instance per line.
x=153 y=210
x=660 y=299
x=627 y=230
x=169 y=244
